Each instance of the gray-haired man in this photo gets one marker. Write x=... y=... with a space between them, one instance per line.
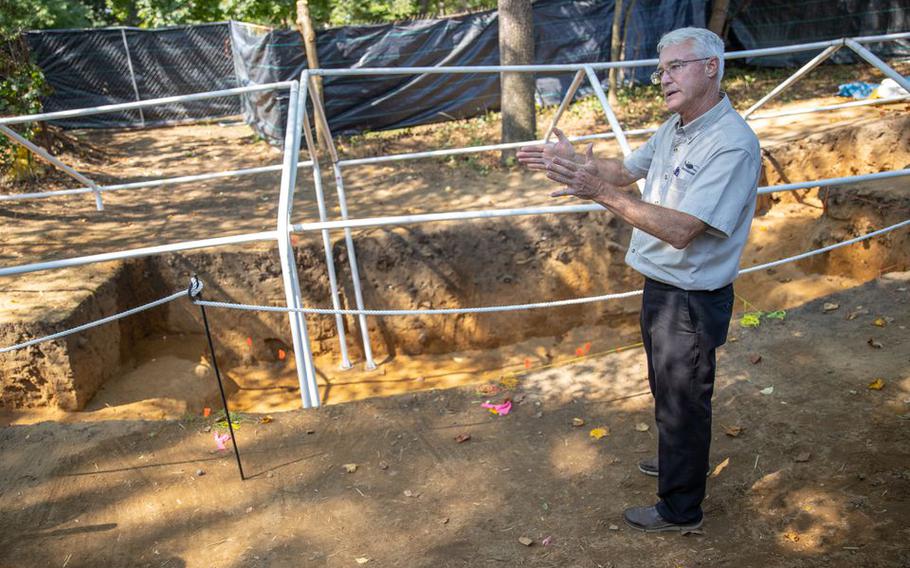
x=690 y=226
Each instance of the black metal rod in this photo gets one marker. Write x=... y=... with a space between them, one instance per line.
x=227 y=414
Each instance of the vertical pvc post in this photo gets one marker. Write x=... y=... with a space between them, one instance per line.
x=348 y=236
x=129 y=63
x=323 y=217
x=815 y=62
x=876 y=62
x=570 y=94
x=611 y=117
x=53 y=160
x=309 y=392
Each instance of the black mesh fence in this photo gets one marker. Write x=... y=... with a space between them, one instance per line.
x=88 y=68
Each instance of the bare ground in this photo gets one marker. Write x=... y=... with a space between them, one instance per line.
x=817 y=474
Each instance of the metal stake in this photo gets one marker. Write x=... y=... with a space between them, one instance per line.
x=194 y=292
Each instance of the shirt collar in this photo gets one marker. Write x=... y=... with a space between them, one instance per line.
x=690 y=130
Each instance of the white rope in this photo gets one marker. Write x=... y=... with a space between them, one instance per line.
x=538 y=305
x=96 y=323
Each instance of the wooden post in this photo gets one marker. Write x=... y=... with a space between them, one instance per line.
x=305 y=27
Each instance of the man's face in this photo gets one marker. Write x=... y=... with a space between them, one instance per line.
x=686 y=87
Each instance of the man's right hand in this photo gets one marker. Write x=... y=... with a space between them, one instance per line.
x=540 y=156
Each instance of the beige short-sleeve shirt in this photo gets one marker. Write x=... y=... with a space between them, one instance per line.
x=709 y=169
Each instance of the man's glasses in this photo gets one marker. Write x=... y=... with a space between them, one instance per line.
x=672 y=69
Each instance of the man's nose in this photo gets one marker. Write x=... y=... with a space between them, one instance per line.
x=665 y=78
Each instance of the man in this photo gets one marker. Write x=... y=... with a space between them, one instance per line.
x=690 y=226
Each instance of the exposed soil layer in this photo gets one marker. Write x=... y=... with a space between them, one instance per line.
x=810 y=467
x=476 y=263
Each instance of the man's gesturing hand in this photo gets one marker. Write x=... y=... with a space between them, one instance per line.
x=581 y=180
x=540 y=156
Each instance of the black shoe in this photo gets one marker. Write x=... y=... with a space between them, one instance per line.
x=647 y=519
x=648 y=466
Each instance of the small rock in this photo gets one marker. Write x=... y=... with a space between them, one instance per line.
x=578 y=422
x=202 y=370
x=755 y=358
x=383 y=465
x=803 y=457
x=525 y=540
x=445 y=520
x=462 y=438
x=409 y=493
x=614 y=528
x=642 y=427
x=249 y=509
x=830 y=306
x=200 y=472
x=350 y=467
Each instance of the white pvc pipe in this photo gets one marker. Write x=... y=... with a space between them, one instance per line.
x=133 y=253
x=815 y=62
x=829 y=107
x=151 y=183
x=319 y=111
x=53 y=160
x=553 y=210
x=881 y=65
x=326 y=236
x=833 y=181
x=299 y=334
x=570 y=94
x=88 y=111
x=608 y=110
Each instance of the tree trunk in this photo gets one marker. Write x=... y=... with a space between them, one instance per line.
x=305 y=27
x=615 y=50
x=516 y=47
x=718 y=16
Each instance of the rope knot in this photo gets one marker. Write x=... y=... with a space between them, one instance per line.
x=195 y=289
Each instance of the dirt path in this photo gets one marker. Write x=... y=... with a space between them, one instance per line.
x=816 y=475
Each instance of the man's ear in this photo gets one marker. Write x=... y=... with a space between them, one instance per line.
x=711 y=67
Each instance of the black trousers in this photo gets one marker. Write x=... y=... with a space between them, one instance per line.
x=681 y=329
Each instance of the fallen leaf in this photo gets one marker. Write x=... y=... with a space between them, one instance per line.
x=362 y=560
x=720 y=467
x=830 y=306
x=527 y=363
x=803 y=457
x=265 y=419
x=880 y=322
x=874 y=344
x=445 y=521
x=383 y=465
x=488 y=389
x=462 y=438
x=733 y=431
x=350 y=467
x=751 y=319
x=777 y=314
x=642 y=427
x=547 y=541
x=877 y=384
x=525 y=540
x=613 y=527
x=791 y=536
x=598 y=433
x=282 y=354
x=755 y=358
x=509 y=382
x=578 y=422
x=768 y=390
x=409 y=493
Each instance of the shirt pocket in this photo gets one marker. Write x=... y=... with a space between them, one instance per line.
x=676 y=192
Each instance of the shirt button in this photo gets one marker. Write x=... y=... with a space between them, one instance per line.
x=666 y=177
